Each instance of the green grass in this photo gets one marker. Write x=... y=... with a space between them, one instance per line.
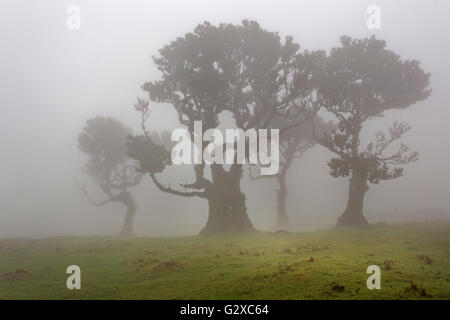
x=258 y=266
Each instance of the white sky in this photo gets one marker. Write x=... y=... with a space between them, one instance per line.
x=53 y=79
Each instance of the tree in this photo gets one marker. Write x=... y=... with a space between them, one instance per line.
x=294 y=142
x=151 y=148
x=361 y=79
x=241 y=69
x=103 y=139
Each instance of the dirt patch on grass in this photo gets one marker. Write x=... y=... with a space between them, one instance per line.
x=425 y=258
x=141 y=263
x=283 y=267
x=414 y=290
x=388 y=264
x=15 y=275
x=337 y=287
x=168 y=265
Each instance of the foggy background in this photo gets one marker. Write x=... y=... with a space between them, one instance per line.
x=53 y=79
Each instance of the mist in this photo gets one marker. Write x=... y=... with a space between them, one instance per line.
x=53 y=79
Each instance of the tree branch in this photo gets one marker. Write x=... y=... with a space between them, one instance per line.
x=83 y=192
x=168 y=189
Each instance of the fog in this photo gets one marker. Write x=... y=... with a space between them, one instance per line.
x=53 y=79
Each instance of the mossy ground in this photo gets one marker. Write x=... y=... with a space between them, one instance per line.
x=313 y=265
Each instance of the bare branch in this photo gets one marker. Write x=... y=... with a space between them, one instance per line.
x=83 y=191
x=168 y=189
x=142 y=107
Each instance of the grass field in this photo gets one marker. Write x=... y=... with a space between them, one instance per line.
x=414 y=262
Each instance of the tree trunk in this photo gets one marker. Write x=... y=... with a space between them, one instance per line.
x=129 y=203
x=227 y=209
x=282 y=217
x=353 y=214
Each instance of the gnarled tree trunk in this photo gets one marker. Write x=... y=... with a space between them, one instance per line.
x=353 y=214
x=282 y=217
x=128 y=201
x=227 y=209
